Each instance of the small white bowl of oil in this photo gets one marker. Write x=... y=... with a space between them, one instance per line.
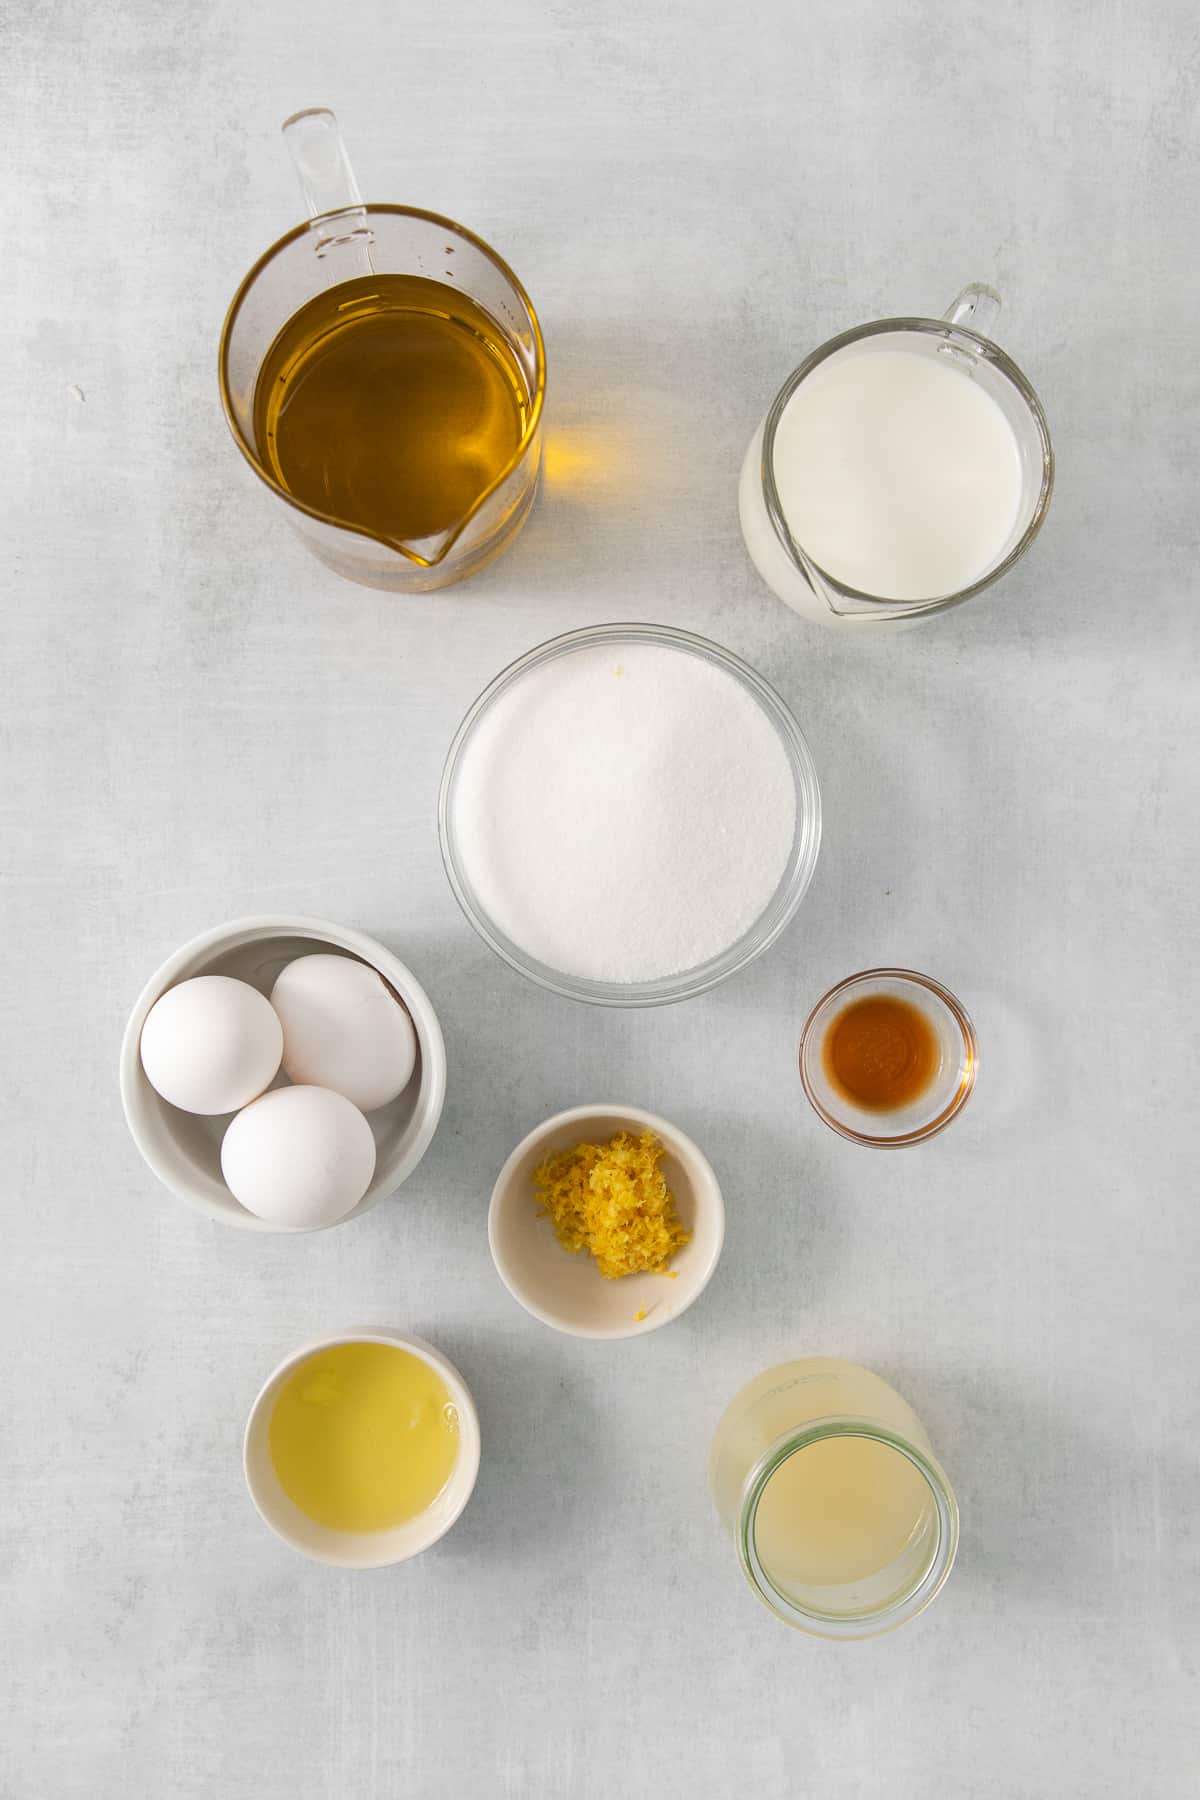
x=362 y=1449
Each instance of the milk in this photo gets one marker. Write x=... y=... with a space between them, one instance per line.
x=897 y=472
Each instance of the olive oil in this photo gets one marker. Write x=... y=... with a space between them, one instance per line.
x=391 y=403
x=880 y=1053
x=363 y=1436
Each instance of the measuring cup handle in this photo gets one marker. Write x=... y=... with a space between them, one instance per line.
x=319 y=158
x=977 y=307
x=337 y=216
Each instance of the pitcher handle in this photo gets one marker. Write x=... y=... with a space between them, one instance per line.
x=331 y=194
x=977 y=307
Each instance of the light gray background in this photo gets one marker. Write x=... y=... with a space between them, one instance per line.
x=200 y=722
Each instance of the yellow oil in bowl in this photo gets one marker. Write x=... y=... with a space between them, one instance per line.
x=363 y=1436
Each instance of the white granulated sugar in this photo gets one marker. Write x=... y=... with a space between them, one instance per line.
x=625 y=812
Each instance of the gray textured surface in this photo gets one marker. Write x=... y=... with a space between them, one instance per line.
x=199 y=722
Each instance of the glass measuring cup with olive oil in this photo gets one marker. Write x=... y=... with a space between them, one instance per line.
x=382 y=371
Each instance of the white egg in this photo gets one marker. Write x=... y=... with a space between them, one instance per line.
x=211 y=1044
x=300 y=1156
x=344 y=1029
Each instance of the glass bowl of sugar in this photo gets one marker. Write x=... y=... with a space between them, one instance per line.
x=629 y=814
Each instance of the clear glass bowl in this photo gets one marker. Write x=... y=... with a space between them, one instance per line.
x=771 y=921
x=947 y=1093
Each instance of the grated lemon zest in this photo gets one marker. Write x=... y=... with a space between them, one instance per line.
x=613 y=1200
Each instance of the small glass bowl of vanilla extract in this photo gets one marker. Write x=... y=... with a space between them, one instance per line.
x=888 y=1057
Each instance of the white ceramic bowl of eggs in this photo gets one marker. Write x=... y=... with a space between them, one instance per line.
x=283 y=1074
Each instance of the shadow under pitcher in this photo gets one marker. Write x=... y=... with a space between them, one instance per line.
x=383 y=372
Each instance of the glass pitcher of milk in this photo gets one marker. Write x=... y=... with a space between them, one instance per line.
x=902 y=468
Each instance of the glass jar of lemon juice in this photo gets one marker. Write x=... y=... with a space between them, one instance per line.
x=844 y=1521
